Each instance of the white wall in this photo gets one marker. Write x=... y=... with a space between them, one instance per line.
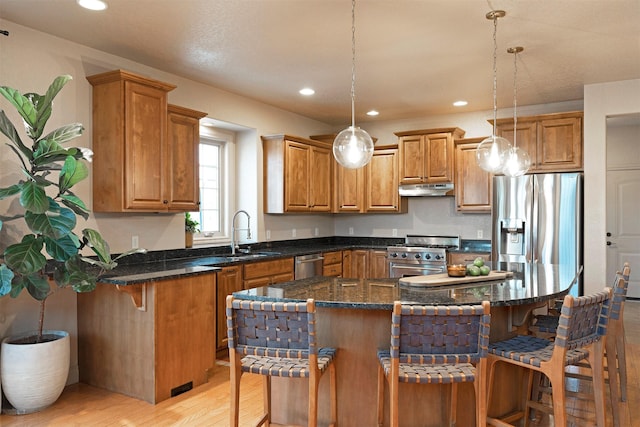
x=600 y=101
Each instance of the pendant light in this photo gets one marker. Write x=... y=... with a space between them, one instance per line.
x=518 y=160
x=353 y=147
x=492 y=152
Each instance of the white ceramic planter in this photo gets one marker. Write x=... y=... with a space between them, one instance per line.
x=34 y=375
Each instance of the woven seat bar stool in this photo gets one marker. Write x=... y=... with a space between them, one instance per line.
x=580 y=336
x=616 y=366
x=277 y=339
x=436 y=345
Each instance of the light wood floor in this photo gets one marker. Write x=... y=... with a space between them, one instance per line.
x=208 y=405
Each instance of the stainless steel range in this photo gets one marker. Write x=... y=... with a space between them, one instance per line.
x=420 y=255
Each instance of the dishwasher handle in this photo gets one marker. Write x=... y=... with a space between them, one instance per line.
x=304 y=261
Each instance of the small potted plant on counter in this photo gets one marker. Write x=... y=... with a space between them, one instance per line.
x=190 y=227
x=48 y=255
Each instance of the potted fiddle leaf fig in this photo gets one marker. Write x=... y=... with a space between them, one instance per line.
x=48 y=255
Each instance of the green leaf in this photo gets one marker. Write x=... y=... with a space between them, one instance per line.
x=57 y=222
x=6 y=276
x=23 y=105
x=7 y=128
x=95 y=241
x=63 y=248
x=65 y=133
x=72 y=172
x=25 y=257
x=48 y=152
x=9 y=191
x=77 y=275
x=74 y=203
x=130 y=252
x=36 y=284
x=33 y=197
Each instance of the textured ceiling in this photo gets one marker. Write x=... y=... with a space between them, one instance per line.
x=414 y=58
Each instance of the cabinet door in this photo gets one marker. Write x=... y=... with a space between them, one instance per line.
x=349 y=189
x=297 y=164
x=412 y=167
x=320 y=179
x=560 y=144
x=526 y=137
x=145 y=150
x=379 y=265
x=346 y=264
x=360 y=263
x=229 y=281
x=439 y=157
x=473 y=184
x=382 y=182
x=183 y=139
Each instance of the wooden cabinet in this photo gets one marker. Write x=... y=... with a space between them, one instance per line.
x=466 y=257
x=426 y=156
x=473 y=185
x=365 y=264
x=144 y=153
x=553 y=141
x=267 y=272
x=183 y=147
x=332 y=264
x=229 y=280
x=382 y=182
x=151 y=340
x=297 y=174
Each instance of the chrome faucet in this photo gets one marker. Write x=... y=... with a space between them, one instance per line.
x=234 y=245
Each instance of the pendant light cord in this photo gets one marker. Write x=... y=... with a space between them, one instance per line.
x=515 y=96
x=495 y=73
x=353 y=63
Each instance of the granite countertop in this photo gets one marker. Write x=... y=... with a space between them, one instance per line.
x=161 y=265
x=530 y=283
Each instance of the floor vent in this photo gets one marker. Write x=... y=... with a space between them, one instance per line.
x=181 y=388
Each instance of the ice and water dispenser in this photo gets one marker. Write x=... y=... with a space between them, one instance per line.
x=511 y=241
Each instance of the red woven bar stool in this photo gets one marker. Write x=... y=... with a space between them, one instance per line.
x=277 y=339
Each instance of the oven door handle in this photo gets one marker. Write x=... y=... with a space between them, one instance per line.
x=416 y=267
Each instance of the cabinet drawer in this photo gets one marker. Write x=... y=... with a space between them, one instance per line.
x=332 y=257
x=268 y=268
x=334 y=270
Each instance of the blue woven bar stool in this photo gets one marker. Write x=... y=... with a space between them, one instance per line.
x=277 y=339
x=580 y=336
x=436 y=345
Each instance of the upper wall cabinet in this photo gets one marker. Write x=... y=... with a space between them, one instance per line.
x=554 y=141
x=473 y=185
x=297 y=174
x=426 y=156
x=144 y=151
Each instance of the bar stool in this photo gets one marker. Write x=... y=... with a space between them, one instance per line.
x=277 y=339
x=436 y=345
x=580 y=336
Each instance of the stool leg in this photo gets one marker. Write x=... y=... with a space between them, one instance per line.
x=313 y=398
x=622 y=361
x=596 y=362
x=333 y=394
x=612 y=368
x=556 y=379
x=235 y=374
x=453 y=404
x=266 y=397
x=480 y=385
x=381 y=380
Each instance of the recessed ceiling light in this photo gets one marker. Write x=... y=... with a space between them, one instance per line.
x=93 y=4
x=460 y=103
x=307 y=91
x=372 y=113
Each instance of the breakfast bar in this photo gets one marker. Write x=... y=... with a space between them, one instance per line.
x=354 y=316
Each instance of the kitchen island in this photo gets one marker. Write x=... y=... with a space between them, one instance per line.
x=354 y=316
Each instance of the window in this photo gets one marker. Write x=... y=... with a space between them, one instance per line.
x=214 y=158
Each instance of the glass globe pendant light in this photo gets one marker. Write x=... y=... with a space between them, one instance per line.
x=353 y=147
x=491 y=154
x=518 y=160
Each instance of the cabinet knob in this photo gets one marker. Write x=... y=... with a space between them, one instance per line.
x=165 y=201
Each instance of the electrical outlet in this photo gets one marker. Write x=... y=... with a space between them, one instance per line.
x=316 y=232
x=479 y=234
x=394 y=232
x=134 y=242
x=268 y=234
x=293 y=232
x=351 y=231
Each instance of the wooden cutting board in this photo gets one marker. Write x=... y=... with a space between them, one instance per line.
x=444 y=279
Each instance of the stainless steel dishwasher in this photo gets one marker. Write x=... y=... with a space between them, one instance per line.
x=308 y=266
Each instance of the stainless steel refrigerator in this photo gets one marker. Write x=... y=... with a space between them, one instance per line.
x=538 y=218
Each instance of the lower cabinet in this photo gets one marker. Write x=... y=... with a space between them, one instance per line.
x=229 y=281
x=379 y=266
x=267 y=272
x=365 y=264
x=332 y=264
x=150 y=341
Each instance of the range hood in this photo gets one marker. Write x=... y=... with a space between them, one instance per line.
x=425 y=190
